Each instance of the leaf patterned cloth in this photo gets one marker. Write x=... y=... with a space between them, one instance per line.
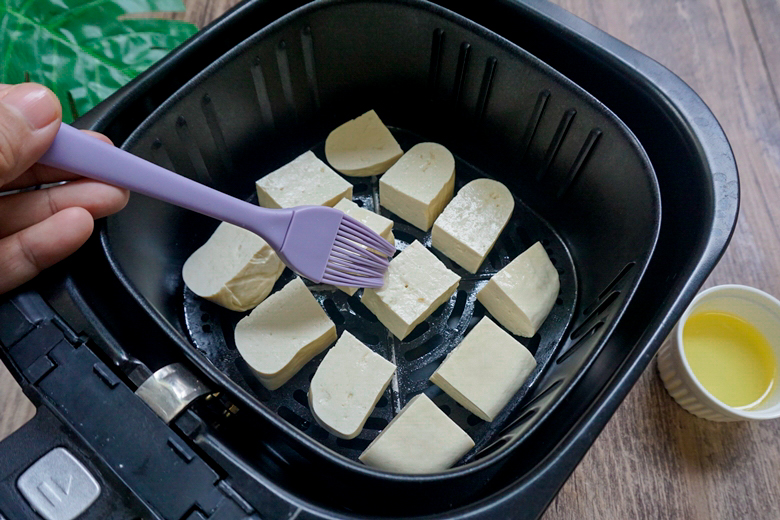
x=84 y=49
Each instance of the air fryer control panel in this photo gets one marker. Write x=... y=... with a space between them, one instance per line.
x=77 y=458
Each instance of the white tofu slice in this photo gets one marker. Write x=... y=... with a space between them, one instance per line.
x=305 y=181
x=419 y=185
x=347 y=385
x=521 y=295
x=416 y=284
x=382 y=225
x=362 y=147
x=283 y=333
x=420 y=439
x=234 y=268
x=469 y=226
x=485 y=370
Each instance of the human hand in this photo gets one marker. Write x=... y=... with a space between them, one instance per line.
x=39 y=228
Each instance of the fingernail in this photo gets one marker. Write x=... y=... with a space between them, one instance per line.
x=35 y=103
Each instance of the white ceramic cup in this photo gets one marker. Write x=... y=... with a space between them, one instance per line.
x=757 y=308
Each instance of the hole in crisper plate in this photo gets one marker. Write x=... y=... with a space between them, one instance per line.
x=361 y=310
x=473 y=420
x=293 y=418
x=428 y=346
x=302 y=398
x=375 y=423
x=457 y=310
x=333 y=312
x=418 y=331
x=353 y=444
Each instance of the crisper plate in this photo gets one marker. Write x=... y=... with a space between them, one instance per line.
x=211 y=327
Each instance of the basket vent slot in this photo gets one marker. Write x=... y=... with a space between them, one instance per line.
x=557 y=140
x=193 y=152
x=461 y=70
x=283 y=63
x=258 y=78
x=581 y=341
x=308 y=64
x=491 y=449
x=608 y=289
x=579 y=162
x=212 y=122
x=617 y=279
x=435 y=67
x=599 y=310
x=484 y=89
x=160 y=156
x=555 y=384
x=533 y=121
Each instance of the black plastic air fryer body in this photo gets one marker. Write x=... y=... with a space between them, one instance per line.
x=84 y=338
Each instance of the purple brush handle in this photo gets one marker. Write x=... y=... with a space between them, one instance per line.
x=78 y=152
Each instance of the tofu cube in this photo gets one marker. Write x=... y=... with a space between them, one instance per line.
x=419 y=185
x=283 y=333
x=521 y=295
x=485 y=370
x=362 y=147
x=469 y=226
x=347 y=385
x=305 y=181
x=234 y=268
x=382 y=225
x=420 y=439
x=416 y=284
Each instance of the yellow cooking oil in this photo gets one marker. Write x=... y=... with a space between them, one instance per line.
x=730 y=358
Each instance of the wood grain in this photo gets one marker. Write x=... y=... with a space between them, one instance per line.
x=654 y=460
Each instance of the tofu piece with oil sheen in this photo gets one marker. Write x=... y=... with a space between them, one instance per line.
x=235 y=268
x=420 y=439
x=485 y=370
x=471 y=223
x=362 y=147
x=382 y=225
x=522 y=294
x=416 y=284
x=347 y=385
x=284 y=333
x=419 y=185
x=304 y=181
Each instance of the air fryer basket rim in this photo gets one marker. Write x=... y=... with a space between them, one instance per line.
x=249 y=400
x=671 y=97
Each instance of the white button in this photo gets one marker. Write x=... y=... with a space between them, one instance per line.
x=58 y=487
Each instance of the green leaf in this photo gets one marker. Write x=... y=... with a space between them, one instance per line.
x=83 y=48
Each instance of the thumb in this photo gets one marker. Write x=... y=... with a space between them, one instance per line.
x=30 y=116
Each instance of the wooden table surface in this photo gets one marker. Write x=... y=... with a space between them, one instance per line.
x=654 y=460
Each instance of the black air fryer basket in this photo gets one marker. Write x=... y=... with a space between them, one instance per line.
x=140 y=379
